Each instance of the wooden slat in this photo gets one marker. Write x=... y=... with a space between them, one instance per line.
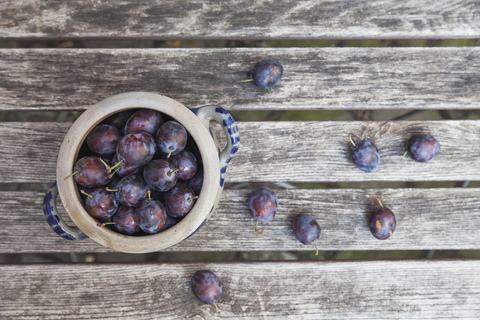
x=284 y=290
x=282 y=151
x=239 y=19
x=314 y=78
x=426 y=219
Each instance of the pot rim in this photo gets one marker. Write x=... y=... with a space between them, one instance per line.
x=70 y=195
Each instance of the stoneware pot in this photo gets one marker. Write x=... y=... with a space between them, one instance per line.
x=197 y=123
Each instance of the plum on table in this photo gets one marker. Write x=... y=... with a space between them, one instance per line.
x=422 y=148
x=382 y=222
x=365 y=155
x=206 y=286
x=266 y=73
x=306 y=229
x=262 y=205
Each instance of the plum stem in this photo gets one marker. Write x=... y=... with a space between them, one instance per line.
x=71 y=175
x=379 y=202
x=105 y=164
x=217 y=308
x=315 y=244
x=169 y=173
x=191 y=198
x=406 y=152
x=113 y=190
x=247 y=80
x=110 y=170
x=351 y=140
x=88 y=195
x=111 y=175
x=256 y=229
x=148 y=193
x=170 y=153
x=105 y=223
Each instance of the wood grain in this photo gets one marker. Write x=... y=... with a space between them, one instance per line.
x=239 y=19
x=427 y=219
x=314 y=78
x=284 y=290
x=282 y=151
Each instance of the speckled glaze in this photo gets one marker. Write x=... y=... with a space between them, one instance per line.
x=215 y=162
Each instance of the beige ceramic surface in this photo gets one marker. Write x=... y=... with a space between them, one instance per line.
x=209 y=195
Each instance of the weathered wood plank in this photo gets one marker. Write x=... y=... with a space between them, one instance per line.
x=285 y=290
x=314 y=78
x=239 y=19
x=426 y=219
x=282 y=151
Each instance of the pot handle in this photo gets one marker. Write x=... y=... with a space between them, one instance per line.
x=220 y=115
x=54 y=220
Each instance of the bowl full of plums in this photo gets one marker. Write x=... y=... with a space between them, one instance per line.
x=139 y=172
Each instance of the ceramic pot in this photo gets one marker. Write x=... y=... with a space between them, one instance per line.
x=197 y=123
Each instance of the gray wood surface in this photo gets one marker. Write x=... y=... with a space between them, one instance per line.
x=282 y=151
x=447 y=218
x=314 y=78
x=240 y=19
x=284 y=290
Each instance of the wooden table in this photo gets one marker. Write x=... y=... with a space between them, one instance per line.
x=316 y=78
